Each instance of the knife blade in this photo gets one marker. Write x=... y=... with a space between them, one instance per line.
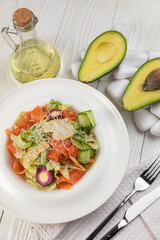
x=133 y=211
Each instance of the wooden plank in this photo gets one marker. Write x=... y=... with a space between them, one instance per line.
x=7 y=8
x=12 y=228
x=152 y=38
x=66 y=40
x=151 y=146
x=82 y=22
x=1 y=214
x=135 y=137
x=71 y=25
x=50 y=14
x=140 y=17
x=143 y=35
x=140 y=21
x=6 y=13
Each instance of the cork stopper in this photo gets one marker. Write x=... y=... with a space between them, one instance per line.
x=22 y=16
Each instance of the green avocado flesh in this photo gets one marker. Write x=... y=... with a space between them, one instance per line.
x=140 y=93
x=103 y=55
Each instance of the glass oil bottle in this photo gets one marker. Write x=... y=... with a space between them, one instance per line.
x=32 y=58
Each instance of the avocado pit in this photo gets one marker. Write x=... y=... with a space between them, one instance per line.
x=144 y=87
x=152 y=81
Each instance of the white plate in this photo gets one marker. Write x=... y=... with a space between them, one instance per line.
x=97 y=185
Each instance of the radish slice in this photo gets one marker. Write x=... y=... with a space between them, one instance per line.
x=44 y=177
x=55 y=113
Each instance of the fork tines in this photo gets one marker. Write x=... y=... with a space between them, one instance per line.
x=152 y=171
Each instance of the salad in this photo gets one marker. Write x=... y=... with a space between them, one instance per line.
x=52 y=146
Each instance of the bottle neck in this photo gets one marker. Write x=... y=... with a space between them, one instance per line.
x=27 y=35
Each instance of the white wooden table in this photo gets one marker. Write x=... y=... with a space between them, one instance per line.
x=70 y=25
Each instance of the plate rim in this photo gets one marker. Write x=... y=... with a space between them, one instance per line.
x=120 y=119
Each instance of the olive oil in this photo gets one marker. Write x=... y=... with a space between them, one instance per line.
x=33 y=58
x=34 y=61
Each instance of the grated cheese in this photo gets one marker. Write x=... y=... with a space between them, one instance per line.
x=61 y=129
x=33 y=153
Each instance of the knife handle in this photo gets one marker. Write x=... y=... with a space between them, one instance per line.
x=114 y=230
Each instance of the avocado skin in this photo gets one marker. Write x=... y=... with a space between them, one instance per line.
x=134 y=97
x=107 y=69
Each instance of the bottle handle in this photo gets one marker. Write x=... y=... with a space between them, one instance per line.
x=5 y=34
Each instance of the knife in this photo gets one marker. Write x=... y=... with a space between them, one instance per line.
x=132 y=212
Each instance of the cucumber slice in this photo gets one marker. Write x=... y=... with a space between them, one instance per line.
x=83 y=156
x=80 y=145
x=22 y=144
x=89 y=139
x=91 y=117
x=76 y=125
x=92 y=153
x=84 y=120
x=26 y=135
x=78 y=137
x=93 y=145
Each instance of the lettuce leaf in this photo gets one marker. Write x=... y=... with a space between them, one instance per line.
x=53 y=166
x=41 y=159
x=31 y=179
x=64 y=171
x=35 y=184
x=55 y=105
x=31 y=172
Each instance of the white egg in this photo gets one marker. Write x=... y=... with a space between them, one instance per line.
x=83 y=52
x=155 y=109
x=124 y=71
x=144 y=119
x=154 y=52
x=116 y=89
x=135 y=59
x=122 y=28
x=155 y=129
x=105 y=77
x=75 y=68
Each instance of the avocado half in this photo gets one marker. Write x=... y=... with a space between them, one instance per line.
x=136 y=96
x=103 y=54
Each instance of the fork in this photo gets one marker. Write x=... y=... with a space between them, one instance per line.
x=141 y=183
